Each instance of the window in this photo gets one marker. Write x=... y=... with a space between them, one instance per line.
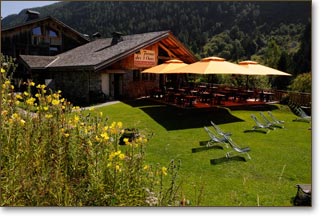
x=136 y=75
x=36 y=31
x=52 y=33
x=53 y=50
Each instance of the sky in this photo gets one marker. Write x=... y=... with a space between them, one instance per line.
x=14 y=7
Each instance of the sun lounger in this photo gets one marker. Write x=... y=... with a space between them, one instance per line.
x=213 y=138
x=236 y=148
x=219 y=131
x=259 y=126
x=268 y=122
x=275 y=120
x=298 y=111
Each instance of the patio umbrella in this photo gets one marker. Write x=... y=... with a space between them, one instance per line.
x=212 y=65
x=257 y=69
x=166 y=67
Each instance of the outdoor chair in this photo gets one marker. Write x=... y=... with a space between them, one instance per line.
x=219 y=131
x=260 y=127
x=275 y=120
x=214 y=138
x=236 y=148
x=298 y=111
x=268 y=122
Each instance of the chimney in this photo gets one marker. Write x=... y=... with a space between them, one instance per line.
x=117 y=37
x=96 y=35
x=32 y=15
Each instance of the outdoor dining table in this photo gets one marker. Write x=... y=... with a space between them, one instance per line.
x=205 y=96
x=267 y=96
x=194 y=92
x=190 y=99
x=245 y=94
x=219 y=97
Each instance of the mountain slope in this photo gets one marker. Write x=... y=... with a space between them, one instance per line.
x=194 y=23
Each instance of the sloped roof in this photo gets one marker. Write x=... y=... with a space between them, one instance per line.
x=100 y=53
x=31 y=22
x=37 y=62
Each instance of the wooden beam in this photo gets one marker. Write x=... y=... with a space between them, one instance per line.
x=167 y=50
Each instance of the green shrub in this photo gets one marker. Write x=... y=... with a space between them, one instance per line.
x=302 y=83
x=54 y=154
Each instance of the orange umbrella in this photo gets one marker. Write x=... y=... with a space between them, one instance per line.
x=212 y=65
x=257 y=69
x=166 y=67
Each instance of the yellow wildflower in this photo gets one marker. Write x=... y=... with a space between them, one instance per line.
x=30 y=101
x=48 y=98
x=18 y=96
x=55 y=102
x=48 y=116
x=45 y=108
x=2 y=70
x=119 y=124
x=41 y=86
x=121 y=156
x=146 y=167
x=66 y=135
x=164 y=171
x=97 y=139
x=22 y=122
x=15 y=116
x=76 y=118
x=105 y=136
x=118 y=168
x=26 y=93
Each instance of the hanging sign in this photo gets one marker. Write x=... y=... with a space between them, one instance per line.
x=145 y=58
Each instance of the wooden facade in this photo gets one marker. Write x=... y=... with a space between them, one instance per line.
x=46 y=36
x=104 y=69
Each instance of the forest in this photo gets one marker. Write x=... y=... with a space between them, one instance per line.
x=274 y=33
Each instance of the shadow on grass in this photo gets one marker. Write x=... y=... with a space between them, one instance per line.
x=174 y=118
x=205 y=148
x=256 y=107
x=226 y=160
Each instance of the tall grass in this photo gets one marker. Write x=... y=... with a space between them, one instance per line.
x=54 y=154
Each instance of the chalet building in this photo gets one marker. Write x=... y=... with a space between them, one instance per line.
x=48 y=51
x=40 y=36
x=108 y=66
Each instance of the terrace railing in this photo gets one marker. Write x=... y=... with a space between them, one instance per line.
x=302 y=99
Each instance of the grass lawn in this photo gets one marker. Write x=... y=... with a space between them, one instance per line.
x=280 y=159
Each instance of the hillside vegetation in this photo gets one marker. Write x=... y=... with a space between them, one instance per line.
x=277 y=34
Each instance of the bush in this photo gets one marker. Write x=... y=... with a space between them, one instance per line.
x=54 y=154
x=302 y=83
